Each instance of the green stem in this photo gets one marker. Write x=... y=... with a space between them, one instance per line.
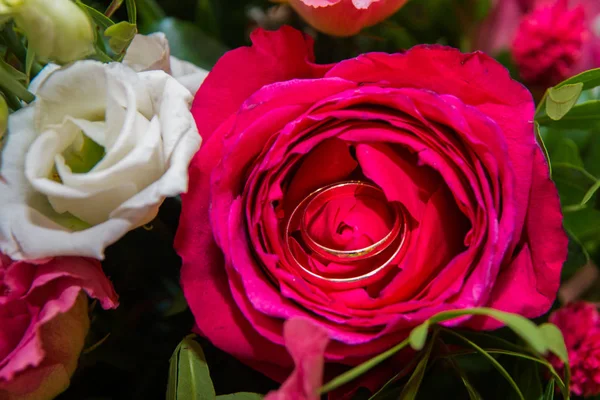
x=149 y=11
x=113 y=6
x=362 y=368
x=11 y=85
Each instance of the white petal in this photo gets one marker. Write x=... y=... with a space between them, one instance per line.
x=149 y=52
x=78 y=91
x=41 y=77
x=29 y=225
x=95 y=130
x=26 y=231
x=181 y=141
x=188 y=74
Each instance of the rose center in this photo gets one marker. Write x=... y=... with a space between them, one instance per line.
x=346 y=234
x=348 y=217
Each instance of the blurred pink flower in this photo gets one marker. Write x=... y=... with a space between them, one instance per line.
x=550 y=39
x=345 y=17
x=44 y=321
x=580 y=325
x=306 y=343
x=549 y=43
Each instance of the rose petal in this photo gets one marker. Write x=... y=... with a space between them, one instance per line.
x=306 y=342
x=273 y=57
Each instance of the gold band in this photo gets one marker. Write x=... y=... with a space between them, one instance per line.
x=394 y=242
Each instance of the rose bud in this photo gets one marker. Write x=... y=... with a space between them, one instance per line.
x=365 y=196
x=97 y=153
x=44 y=320
x=580 y=326
x=344 y=17
x=556 y=41
x=57 y=30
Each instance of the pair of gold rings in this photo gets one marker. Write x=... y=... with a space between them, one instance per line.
x=378 y=257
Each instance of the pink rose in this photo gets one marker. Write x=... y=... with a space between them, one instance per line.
x=580 y=325
x=365 y=196
x=559 y=38
x=44 y=320
x=345 y=17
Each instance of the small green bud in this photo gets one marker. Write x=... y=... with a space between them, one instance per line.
x=57 y=30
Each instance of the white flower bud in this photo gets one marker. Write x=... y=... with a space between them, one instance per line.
x=56 y=30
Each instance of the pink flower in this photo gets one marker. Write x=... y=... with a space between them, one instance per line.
x=365 y=196
x=580 y=325
x=306 y=343
x=557 y=40
x=345 y=17
x=44 y=321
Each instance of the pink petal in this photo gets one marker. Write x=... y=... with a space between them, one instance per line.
x=273 y=57
x=306 y=343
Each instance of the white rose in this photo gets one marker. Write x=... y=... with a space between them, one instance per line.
x=92 y=158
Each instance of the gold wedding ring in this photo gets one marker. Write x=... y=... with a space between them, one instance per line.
x=388 y=248
x=357 y=189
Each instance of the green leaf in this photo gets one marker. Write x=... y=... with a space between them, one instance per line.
x=589 y=79
x=189 y=43
x=577 y=257
x=482 y=9
x=189 y=377
x=540 y=140
x=3 y=118
x=120 y=36
x=362 y=368
x=581 y=116
x=418 y=336
x=100 y=19
x=150 y=11
x=14 y=73
x=240 y=396
x=556 y=342
x=205 y=18
x=561 y=99
x=540 y=360
x=523 y=327
x=549 y=393
x=404 y=371
x=493 y=361
x=29 y=60
x=131 y=12
x=572 y=182
x=411 y=388
x=567 y=152
x=471 y=391
x=590 y=193
x=527 y=376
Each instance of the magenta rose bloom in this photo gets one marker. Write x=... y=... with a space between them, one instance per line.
x=366 y=196
x=44 y=321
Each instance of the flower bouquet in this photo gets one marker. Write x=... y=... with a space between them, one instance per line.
x=357 y=199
